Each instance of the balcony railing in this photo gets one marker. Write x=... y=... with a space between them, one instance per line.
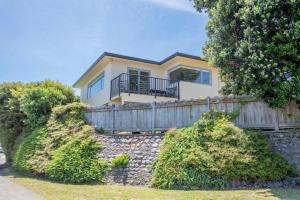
x=138 y=84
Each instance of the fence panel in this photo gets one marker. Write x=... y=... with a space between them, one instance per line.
x=178 y=114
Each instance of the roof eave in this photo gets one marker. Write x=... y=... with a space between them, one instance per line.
x=134 y=59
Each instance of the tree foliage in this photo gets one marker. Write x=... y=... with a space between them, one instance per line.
x=256 y=45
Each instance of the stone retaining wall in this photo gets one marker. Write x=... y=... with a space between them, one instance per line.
x=142 y=150
x=286 y=143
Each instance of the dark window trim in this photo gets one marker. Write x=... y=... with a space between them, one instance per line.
x=192 y=68
x=91 y=83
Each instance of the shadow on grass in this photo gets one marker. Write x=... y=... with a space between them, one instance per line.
x=8 y=171
x=282 y=193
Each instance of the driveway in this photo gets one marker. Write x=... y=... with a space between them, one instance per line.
x=12 y=191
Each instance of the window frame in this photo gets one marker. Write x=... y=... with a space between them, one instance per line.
x=192 y=68
x=93 y=82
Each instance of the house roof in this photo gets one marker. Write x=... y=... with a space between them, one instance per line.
x=108 y=54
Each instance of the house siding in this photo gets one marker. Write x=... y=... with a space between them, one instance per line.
x=116 y=66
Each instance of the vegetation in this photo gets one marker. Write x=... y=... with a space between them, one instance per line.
x=54 y=139
x=11 y=117
x=215 y=153
x=255 y=43
x=77 y=162
x=59 y=191
x=121 y=161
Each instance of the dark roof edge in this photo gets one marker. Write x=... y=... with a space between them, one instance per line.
x=135 y=59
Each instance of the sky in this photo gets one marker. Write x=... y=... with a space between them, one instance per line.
x=60 y=39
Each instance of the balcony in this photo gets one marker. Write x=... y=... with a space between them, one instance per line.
x=145 y=85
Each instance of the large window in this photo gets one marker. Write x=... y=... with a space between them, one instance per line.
x=191 y=75
x=95 y=86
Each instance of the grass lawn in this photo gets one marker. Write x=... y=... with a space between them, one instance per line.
x=58 y=191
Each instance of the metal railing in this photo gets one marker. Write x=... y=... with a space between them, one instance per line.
x=145 y=85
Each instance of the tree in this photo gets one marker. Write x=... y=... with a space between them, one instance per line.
x=256 y=45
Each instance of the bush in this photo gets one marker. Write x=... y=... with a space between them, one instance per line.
x=37 y=102
x=77 y=162
x=11 y=117
x=214 y=153
x=44 y=131
x=65 y=149
x=26 y=106
x=121 y=161
x=31 y=145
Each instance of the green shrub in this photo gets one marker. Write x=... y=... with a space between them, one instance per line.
x=37 y=102
x=121 y=161
x=31 y=145
x=11 y=117
x=77 y=162
x=214 y=153
x=65 y=149
x=27 y=106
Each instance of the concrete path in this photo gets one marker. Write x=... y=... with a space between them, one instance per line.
x=12 y=191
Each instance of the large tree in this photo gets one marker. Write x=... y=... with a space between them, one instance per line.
x=256 y=45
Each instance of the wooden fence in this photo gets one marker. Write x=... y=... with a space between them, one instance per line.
x=178 y=114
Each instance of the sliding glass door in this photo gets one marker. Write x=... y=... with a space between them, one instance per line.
x=139 y=80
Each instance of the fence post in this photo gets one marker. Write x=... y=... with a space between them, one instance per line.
x=208 y=103
x=219 y=103
x=113 y=118
x=276 y=120
x=153 y=117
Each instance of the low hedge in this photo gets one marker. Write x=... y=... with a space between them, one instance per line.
x=215 y=153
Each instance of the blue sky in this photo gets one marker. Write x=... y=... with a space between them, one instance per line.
x=60 y=39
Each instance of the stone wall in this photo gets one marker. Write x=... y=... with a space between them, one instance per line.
x=286 y=143
x=142 y=150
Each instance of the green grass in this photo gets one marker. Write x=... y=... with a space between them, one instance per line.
x=59 y=191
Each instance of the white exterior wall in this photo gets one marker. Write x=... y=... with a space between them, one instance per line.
x=119 y=67
x=103 y=96
x=190 y=90
x=115 y=67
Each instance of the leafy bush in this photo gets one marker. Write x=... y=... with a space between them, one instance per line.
x=214 y=153
x=77 y=162
x=37 y=102
x=121 y=161
x=65 y=149
x=43 y=130
x=26 y=106
x=11 y=117
x=31 y=145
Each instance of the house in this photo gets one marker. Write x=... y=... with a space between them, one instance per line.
x=119 y=79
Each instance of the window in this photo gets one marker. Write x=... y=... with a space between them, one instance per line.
x=191 y=75
x=95 y=86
